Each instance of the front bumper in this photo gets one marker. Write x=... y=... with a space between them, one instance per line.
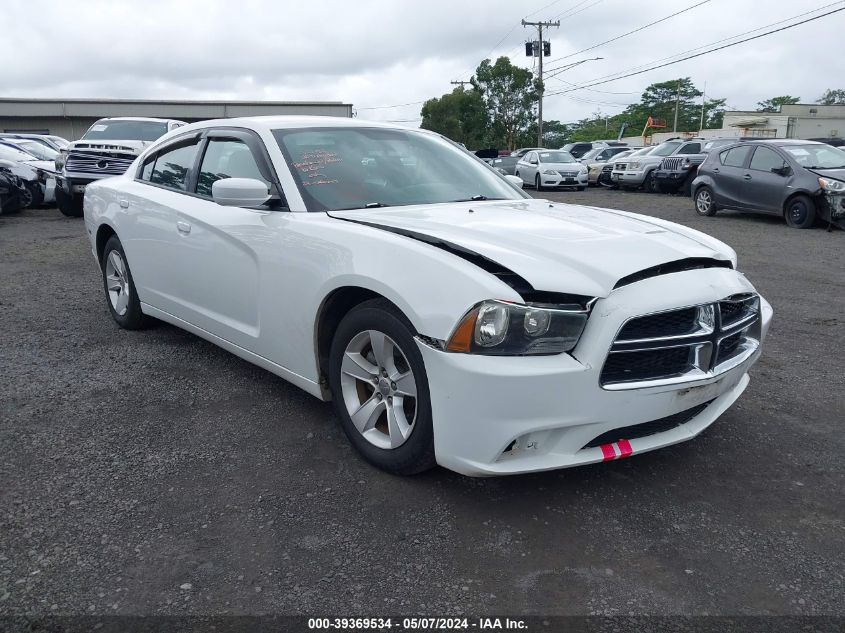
x=671 y=179
x=628 y=177
x=72 y=183
x=581 y=180
x=553 y=406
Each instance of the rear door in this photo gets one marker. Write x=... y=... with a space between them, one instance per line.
x=728 y=175
x=764 y=187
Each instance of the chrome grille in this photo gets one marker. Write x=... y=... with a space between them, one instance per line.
x=671 y=164
x=684 y=344
x=568 y=174
x=97 y=163
x=607 y=168
x=620 y=166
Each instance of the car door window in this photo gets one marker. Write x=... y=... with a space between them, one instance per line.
x=766 y=159
x=735 y=157
x=173 y=166
x=226 y=158
x=690 y=148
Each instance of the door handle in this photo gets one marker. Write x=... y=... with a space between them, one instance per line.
x=183 y=227
x=124 y=204
x=747 y=177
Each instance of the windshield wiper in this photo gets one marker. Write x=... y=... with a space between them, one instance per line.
x=477 y=198
x=825 y=167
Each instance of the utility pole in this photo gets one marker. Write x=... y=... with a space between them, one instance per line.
x=460 y=83
x=677 y=104
x=703 y=92
x=540 y=52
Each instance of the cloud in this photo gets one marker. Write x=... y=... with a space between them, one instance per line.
x=381 y=52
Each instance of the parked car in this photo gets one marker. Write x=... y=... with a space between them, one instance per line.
x=639 y=172
x=551 y=168
x=676 y=173
x=505 y=164
x=601 y=155
x=799 y=180
x=606 y=177
x=53 y=142
x=450 y=317
x=599 y=171
x=106 y=149
x=10 y=194
x=36 y=176
x=580 y=149
x=31 y=146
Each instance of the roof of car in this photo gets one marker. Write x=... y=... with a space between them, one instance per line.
x=137 y=118
x=785 y=141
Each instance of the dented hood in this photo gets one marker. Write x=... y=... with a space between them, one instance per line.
x=555 y=247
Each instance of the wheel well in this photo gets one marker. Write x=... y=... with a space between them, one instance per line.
x=104 y=233
x=334 y=307
x=796 y=195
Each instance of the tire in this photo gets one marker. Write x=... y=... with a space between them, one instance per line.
x=119 y=288
x=32 y=196
x=359 y=387
x=537 y=184
x=650 y=184
x=705 y=204
x=799 y=212
x=69 y=204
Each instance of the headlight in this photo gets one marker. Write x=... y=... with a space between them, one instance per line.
x=828 y=184
x=633 y=165
x=583 y=171
x=549 y=172
x=500 y=328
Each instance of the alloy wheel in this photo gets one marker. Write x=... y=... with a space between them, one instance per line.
x=703 y=201
x=117 y=283
x=379 y=389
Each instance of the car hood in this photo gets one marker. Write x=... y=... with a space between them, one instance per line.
x=838 y=174
x=561 y=166
x=555 y=247
x=123 y=146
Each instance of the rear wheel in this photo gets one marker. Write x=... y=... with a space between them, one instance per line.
x=31 y=195
x=380 y=389
x=800 y=212
x=704 y=203
x=121 y=297
x=68 y=203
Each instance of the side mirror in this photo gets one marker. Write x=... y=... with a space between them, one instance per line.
x=533 y=162
x=239 y=192
x=516 y=181
x=786 y=170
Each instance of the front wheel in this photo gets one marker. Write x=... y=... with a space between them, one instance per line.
x=69 y=204
x=704 y=203
x=650 y=184
x=380 y=389
x=537 y=184
x=800 y=212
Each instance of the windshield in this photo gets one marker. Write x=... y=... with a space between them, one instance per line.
x=12 y=153
x=126 y=131
x=817 y=156
x=556 y=157
x=643 y=151
x=358 y=167
x=593 y=153
x=664 y=149
x=39 y=150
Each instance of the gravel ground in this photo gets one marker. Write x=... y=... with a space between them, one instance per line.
x=153 y=473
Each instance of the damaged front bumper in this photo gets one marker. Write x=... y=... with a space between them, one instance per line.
x=833 y=209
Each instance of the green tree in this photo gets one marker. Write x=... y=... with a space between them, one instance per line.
x=459 y=115
x=832 y=97
x=774 y=104
x=510 y=94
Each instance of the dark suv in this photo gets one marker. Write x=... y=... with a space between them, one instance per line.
x=800 y=180
x=676 y=173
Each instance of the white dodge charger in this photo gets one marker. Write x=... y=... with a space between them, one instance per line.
x=452 y=319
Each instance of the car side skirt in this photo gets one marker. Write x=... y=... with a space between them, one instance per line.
x=310 y=386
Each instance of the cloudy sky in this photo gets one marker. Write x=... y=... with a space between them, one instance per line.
x=377 y=53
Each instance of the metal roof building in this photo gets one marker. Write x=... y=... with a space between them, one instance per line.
x=70 y=118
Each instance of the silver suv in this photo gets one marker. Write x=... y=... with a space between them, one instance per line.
x=638 y=171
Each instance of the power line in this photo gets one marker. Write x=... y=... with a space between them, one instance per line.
x=637 y=30
x=397 y=105
x=748 y=39
x=725 y=39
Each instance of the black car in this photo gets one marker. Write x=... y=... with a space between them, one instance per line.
x=676 y=173
x=10 y=193
x=800 y=180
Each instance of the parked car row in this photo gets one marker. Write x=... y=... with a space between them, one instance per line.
x=28 y=173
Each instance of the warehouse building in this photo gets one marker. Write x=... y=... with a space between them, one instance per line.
x=70 y=118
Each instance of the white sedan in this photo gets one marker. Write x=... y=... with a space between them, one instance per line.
x=451 y=318
x=551 y=168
